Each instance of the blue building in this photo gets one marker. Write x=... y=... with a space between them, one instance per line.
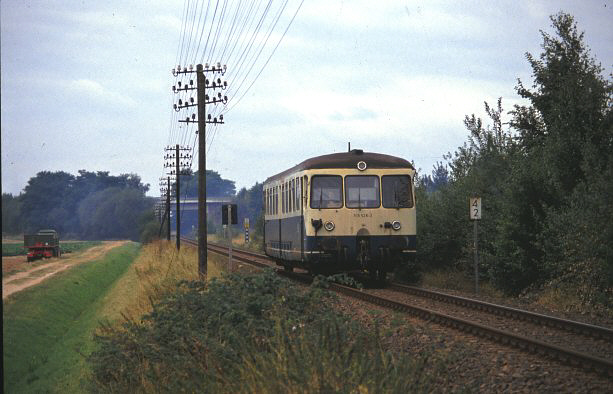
x=189 y=214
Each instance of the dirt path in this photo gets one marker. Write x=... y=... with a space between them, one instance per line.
x=22 y=280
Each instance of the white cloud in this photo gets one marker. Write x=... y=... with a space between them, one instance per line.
x=169 y=22
x=95 y=90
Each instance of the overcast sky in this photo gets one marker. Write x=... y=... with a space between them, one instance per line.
x=86 y=85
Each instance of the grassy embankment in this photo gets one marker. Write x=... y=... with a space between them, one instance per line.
x=48 y=329
x=245 y=333
x=17 y=249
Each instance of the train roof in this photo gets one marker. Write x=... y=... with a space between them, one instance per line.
x=346 y=160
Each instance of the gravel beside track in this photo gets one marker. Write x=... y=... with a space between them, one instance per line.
x=597 y=347
x=470 y=363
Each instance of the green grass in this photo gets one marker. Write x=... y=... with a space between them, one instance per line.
x=17 y=249
x=251 y=333
x=13 y=249
x=48 y=328
x=77 y=246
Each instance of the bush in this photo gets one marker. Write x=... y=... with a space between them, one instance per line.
x=248 y=333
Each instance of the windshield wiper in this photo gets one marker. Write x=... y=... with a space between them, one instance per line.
x=396 y=202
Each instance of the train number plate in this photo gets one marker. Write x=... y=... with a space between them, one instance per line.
x=362 y=215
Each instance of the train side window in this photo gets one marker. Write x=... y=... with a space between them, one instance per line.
x=397 y=191
x=297 y=194
x=326 y=191
x=292 y=197
x=362 y=191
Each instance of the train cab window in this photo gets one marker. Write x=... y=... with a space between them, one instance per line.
x=397 y=191
x=362 y=191
x=326 y=191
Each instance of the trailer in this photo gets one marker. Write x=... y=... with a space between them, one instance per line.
x=44 y=244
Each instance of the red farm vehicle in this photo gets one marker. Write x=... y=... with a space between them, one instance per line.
x=44 y=244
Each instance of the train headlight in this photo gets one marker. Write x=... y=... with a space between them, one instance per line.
x=396 y=225
x=329 y=225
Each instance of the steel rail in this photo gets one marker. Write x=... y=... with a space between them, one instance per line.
x=507 y=338
x=564 y=355
x=501 y=310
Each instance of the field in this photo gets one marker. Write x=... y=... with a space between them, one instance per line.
x=15 y=248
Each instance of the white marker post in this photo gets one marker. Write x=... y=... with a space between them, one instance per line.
x=475 y=216
x=246 y=226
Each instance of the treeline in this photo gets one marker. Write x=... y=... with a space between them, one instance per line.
x=96 y=205
x=545 y=179
x=90 y=205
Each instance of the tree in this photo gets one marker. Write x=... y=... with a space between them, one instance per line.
x=216 y=186
x=249 y=202
x=568 y=121
x=114 y=213
x=11 y=212
x=84 y=205
x=47 y=193
x=565 y=136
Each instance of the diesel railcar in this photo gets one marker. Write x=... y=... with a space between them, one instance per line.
x=341 y=212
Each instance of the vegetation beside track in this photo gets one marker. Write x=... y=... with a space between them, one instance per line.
x=153 y=277
x=249 y=333
x=48 y=328
x=543 y=171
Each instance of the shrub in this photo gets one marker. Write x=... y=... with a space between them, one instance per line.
x=248 y=333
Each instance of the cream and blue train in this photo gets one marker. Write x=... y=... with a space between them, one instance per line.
x=342 y=212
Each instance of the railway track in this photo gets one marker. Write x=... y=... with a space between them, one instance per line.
x=570 y=342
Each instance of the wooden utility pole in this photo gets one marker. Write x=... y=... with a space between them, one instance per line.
x=180 y=168
x=202 y=230
x=178 y=209
x=168 y=209
x=202 y=84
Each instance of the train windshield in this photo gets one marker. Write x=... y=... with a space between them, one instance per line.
x=397 y=191
x=362 y=191
x=326 y=191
